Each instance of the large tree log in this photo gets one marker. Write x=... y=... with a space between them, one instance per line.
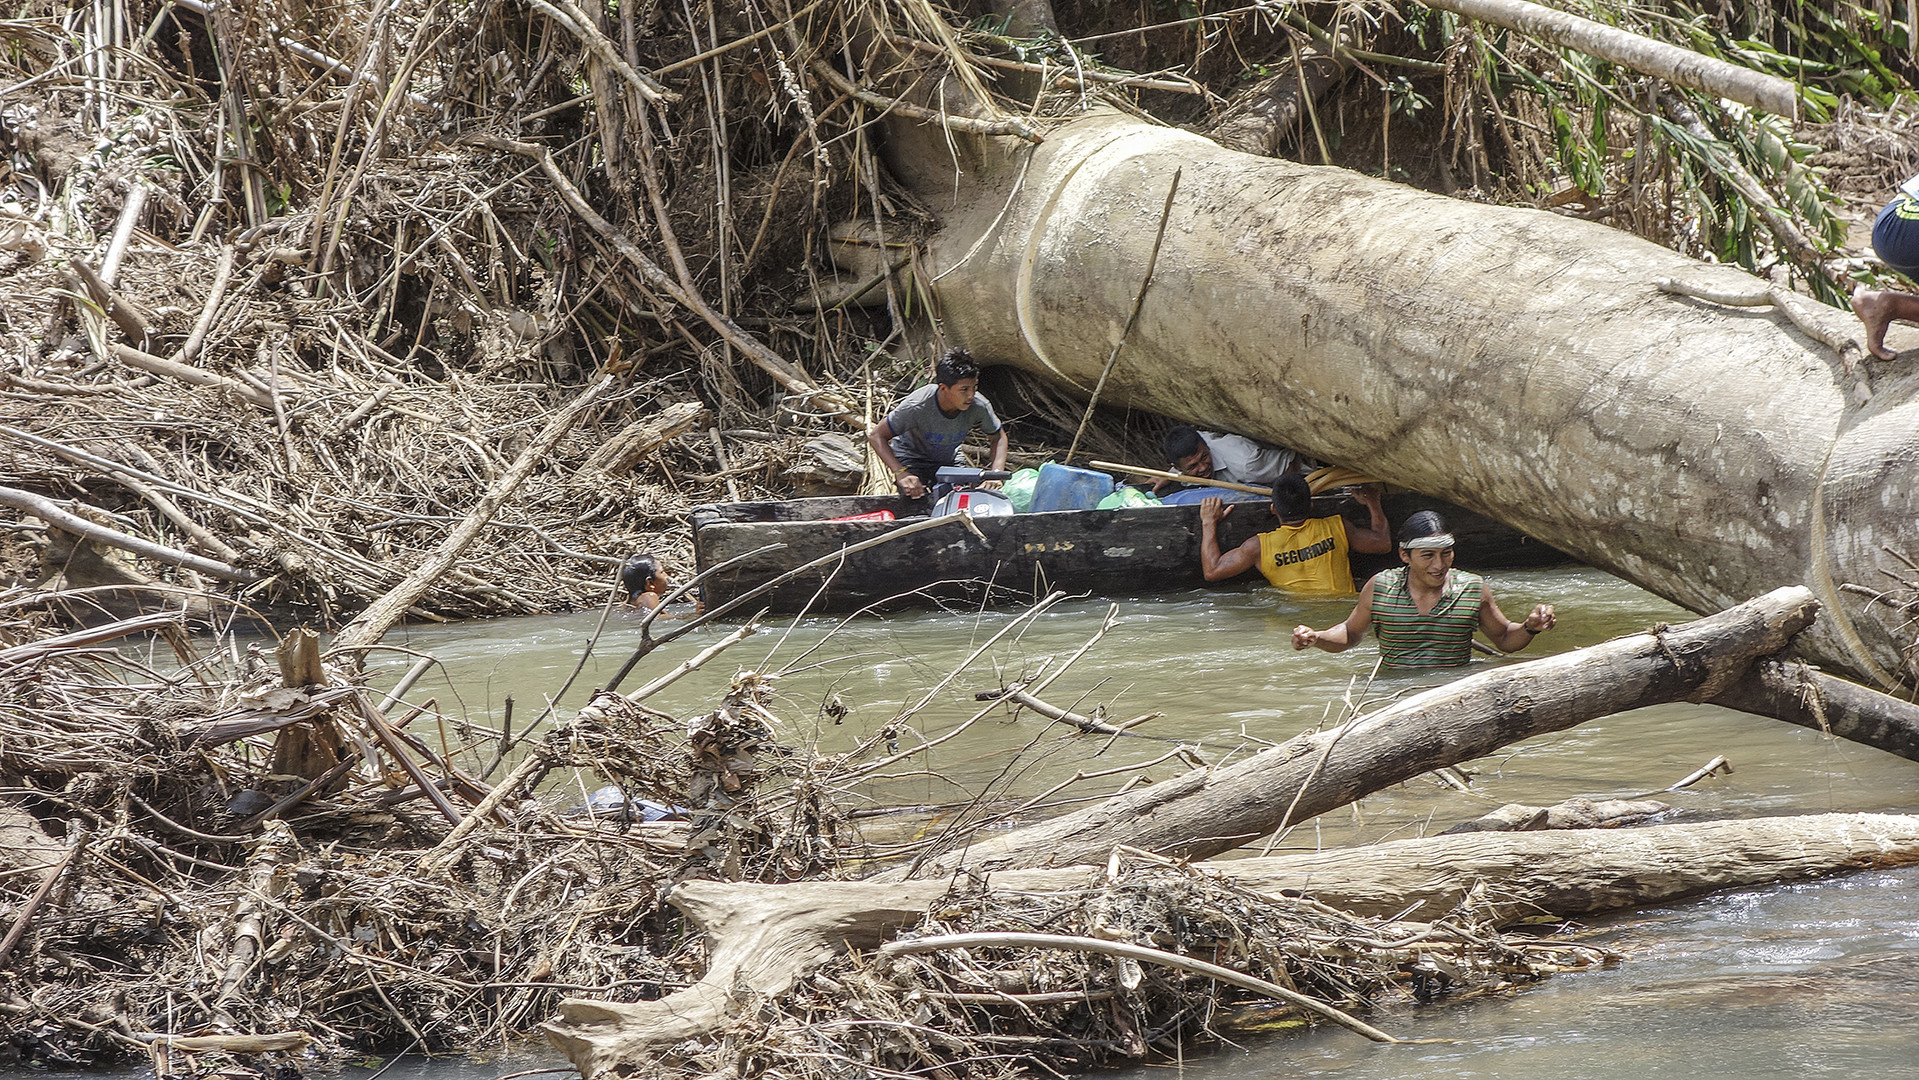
x=1518 y=363
x=1205 y=812
x=766 y=937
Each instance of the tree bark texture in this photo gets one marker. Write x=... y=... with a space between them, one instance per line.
x=1516 y=362
x=1264 y=117
x=1799 y=695
x=1208 y=811
x=764 y=938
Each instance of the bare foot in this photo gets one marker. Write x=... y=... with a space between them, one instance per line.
x=1876 y=312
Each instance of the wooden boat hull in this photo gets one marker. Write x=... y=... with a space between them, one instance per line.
x=1131 y=552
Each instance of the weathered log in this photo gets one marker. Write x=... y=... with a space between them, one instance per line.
x=1205 y=812
x=1577 y=812
x=1521 y=364
x=1505 y=877
x=1797 y=694
x=1262 y=118
x=635 y=441
x=764 y=938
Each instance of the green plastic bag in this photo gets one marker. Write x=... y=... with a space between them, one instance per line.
x=1126 y=498
x=1019 y=489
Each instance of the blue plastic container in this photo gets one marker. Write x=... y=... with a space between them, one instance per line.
x=1063 y=487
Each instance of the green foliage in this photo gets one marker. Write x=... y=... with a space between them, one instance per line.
x=1591 y=115
x=1405 y=100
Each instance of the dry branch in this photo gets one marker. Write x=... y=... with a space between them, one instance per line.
x=1016 y=128
x=795 y=380
x=1668 y=62
x=373 y=623
x=79 y=526
x=581 y=25
x=189 y=374
x=1133 y=952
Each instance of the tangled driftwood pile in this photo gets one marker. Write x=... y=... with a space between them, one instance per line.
x=293 y=299
x=1156 y=959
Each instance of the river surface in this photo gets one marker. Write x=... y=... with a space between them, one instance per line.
x=1813 y=978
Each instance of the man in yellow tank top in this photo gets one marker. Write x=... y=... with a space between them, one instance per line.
x=1305 y=554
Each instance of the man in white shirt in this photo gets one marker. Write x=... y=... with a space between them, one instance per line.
x=1236 y=459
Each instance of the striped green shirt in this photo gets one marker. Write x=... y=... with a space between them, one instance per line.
x=1441 y=639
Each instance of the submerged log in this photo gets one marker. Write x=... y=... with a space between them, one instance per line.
x=1205 y=812
x=764 y=938
x=1577 y=812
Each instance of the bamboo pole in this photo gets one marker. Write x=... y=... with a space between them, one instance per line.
x=1162 y=474
x=1668 y=62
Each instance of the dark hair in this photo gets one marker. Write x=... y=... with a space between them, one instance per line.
x=636 y=572
x=1292 y=497
x=1182 y=442
x=955 y=365
x=1424 y=523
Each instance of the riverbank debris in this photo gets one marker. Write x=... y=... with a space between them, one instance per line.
x=217 y=862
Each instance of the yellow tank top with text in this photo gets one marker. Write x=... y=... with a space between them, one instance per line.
x=1308 y=558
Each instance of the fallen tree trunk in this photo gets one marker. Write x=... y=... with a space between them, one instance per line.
x=1521 y=364
x=1205 y=812
x=1799 y=695
x=764 y=938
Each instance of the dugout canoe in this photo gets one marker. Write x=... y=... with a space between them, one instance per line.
x=1117 y=553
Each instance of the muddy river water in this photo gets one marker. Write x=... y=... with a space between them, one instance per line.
x=1786 y=981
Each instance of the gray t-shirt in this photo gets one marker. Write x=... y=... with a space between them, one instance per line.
x=924 y=436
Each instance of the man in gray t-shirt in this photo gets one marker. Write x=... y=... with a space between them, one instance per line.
x=923 y=433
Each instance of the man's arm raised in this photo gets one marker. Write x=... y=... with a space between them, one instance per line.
x=1213 y=565
x=1376 y=538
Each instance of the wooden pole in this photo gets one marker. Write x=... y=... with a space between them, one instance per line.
x=1141 y=470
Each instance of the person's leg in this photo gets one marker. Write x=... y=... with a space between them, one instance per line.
x=1895 y=239
x=1877 y=308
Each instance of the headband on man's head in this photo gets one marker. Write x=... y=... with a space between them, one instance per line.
x=1423 y=543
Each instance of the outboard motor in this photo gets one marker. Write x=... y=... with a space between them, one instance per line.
x=956 y=491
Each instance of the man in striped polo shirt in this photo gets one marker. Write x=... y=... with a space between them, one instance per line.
x=1426 y=611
